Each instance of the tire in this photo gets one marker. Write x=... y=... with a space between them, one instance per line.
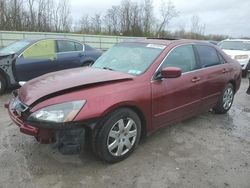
x=117 y=135
x=2 y=84
x=244 y=73
x=226 y=100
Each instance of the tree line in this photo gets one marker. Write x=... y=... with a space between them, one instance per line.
x=35 y=15
x=129 y=18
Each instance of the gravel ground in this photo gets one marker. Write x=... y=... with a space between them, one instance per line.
x=205 y=151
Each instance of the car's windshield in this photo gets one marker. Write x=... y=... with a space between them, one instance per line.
x=14 y=47
x=235 y=45
x=131 y=58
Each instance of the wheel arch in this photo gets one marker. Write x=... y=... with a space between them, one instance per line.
x=142 y=118
x=234 y=84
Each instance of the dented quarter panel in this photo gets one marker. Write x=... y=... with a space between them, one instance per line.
x=7 y=63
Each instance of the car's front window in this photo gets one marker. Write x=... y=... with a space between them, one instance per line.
x=131 y=58
x=235 y=45
x=44 y=49
x=14 y=47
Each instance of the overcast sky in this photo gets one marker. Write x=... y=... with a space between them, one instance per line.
x=228 y=17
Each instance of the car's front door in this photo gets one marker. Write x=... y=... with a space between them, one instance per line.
x=174 y=99
x=214 y=74
x=36 y=60
x=69 y=54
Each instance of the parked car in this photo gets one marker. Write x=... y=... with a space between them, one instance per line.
x=29 y=58
x=238 y=49
x=132 y=90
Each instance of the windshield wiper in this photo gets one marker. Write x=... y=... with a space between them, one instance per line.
x=107 y=68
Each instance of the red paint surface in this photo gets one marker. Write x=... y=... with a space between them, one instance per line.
x=63 y=80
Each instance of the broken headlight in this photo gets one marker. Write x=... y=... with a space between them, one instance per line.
x=59 y=113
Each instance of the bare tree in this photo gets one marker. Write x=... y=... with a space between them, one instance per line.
x=41 y=15
x=31 y=13
x=168 y=12
x=196 y=26
x=111 y=19
x=64 y=15
x=96 y=23
x=125 y=16
x=84 y=24
x=180 y=33
x=147 y=17
x=136 y=20
x=15 y=13
x=2 y=14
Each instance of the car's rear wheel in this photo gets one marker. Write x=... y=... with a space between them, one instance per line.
x=2 y=84
x=226 y=100
x=117 y=135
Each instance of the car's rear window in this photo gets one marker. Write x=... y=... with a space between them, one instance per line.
x=131 y=58
x=68 y=46
x=235 y=45
x=208 y=56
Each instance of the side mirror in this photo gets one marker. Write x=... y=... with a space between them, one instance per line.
x=170 y=72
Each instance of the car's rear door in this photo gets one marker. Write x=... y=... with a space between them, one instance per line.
x=174 y=99
x=36 y=60
x=69 y=54
x=214 y=74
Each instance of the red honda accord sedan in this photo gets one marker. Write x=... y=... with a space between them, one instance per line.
x=132 y=90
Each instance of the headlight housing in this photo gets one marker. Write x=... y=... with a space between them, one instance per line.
x=58 y=113
x=241 y=57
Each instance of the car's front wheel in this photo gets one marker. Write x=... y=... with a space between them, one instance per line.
x=226 y=100
x=117 y=135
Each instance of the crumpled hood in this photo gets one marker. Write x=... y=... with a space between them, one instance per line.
x=66 y=80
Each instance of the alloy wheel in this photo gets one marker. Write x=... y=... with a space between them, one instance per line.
x=122 y=137
x=228 y=98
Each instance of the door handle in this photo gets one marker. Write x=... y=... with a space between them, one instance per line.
x=196 y=79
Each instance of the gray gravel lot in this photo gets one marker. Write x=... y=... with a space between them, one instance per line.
x=206 y=151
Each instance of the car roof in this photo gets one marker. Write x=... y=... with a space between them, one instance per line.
x=32 y=40
x=167 y=41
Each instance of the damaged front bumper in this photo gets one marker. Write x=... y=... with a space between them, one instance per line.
x=69 y=139
x=42 y=135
